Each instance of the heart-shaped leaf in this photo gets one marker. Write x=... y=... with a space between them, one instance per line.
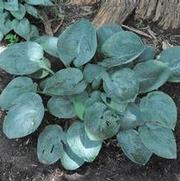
x=67 y=81
x=77 y=43
x=61 y=107
x=49 y=146
x=24 y=117
x=122 y=48
x=22 y=28
x=151 y=75
x=132 y=146
x=159 y=108
x=14 y=89
x=159 y=140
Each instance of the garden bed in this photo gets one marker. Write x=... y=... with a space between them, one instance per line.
x=18 y=159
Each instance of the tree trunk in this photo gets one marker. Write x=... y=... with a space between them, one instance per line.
x=166 y=13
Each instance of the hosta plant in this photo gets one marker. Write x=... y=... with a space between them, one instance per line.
x=107 y=88
x=13 y=17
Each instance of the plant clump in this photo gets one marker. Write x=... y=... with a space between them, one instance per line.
x=108 y=87
x=13 y=17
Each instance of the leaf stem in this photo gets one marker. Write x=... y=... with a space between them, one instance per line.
x=41 y=92
x=49 y=70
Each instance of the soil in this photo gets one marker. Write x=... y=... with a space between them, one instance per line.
x=18 y=159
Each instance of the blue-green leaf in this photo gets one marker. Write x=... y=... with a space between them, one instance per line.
x=101 y=123
x=171 y=57
x=148 y=54
x=122 y=85
x=49 y=44
x=11 y=5
x=69 y=160
x=121 y=48
x=132 y=117
x=67 y=81
x=24 y=117
x=5 y=23
x=106 y=31
x=22 y=58
x=159 y=140
x=77 y=43
x=93 y=72
x=159 y=108
x=151 y=75
x=14 y=89
x=80 y=144
x=34 y=32
x=49 y=146
x=61 y=107
x=32 y=11
x=82 y=101
x=40 y=74
x=22 y=28
x=20 y=13
x=132 y=146
x=114 y=104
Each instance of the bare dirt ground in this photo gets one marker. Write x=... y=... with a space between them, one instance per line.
x=18 y=160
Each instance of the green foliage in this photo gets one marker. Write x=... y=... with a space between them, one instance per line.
x=11 y=38
x=13 y=17
x=107 y=88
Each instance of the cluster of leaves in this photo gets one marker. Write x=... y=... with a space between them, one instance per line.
x=12 y=17
x=107 y=87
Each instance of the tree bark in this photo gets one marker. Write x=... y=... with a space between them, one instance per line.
x=166 y=13
x=115 y=11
